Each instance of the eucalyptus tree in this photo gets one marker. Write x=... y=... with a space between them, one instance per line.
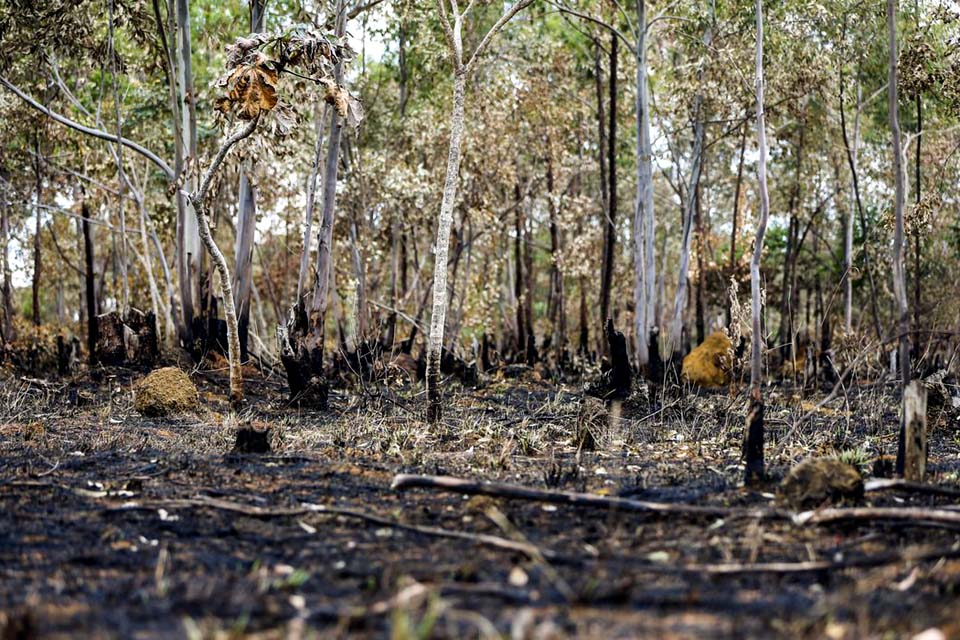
x=753 y=442
x=899 y=275
x=674 y=342
x=246 y=218
x=452 y=22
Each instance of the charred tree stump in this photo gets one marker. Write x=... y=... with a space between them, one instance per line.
x=753 y=443
x=251 y=440
x=110 y=347
x=655 y=365
x=68 y=353
x=132 y=340
x=301 y=353
x=621 y=376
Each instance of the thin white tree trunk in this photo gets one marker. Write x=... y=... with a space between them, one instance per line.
x=189 y=254
x=124 y=278
x=439 y=310
x=755 y=311
x=643 y=246
x=674 y=344
x=311 y=201
x=321 y=291
x=899 y=275
x=196 y=199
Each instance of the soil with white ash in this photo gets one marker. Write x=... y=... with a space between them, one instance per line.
x=118 y=525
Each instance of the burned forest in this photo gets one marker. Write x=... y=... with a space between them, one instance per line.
x=526 y=319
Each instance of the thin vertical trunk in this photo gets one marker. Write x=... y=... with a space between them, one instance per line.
x=438 y=314
x=643 y=219
x=37 y=260
x=675 y=338
x=189 y=249
x=917 y=271
x=701 y=278
x=518 y=261
x=118 y=156
x=8 y=330
x=311 y=201
x=246 y=222
x=753 y=443
x=172 y=76
x=736 y=216
x=151 y=279
x=852 y=160
x=610 y=228
x=899 y=274
x=788 y=294
x=197 y=200
x=680 y=298
x=321 y=290
x=528 y=288
x=359 y=273
x=404 y=75
x=556 y=308
x=93 y=332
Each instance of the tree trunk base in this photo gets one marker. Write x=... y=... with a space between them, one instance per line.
x=306 y=389
x=301 y=354
x=621 y=375
x=753 y=443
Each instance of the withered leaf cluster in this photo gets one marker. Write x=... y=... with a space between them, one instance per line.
x=255 y=63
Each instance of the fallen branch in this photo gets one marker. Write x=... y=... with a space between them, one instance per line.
x=576 y=499
x=897 y=484
x=254 y=511
x=894 y=557
x=912 y=514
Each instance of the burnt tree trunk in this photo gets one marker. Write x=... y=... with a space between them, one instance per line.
x=621 y=376
x=37 y=263
x=93 y=333
x=519 y=262
x=610 y=229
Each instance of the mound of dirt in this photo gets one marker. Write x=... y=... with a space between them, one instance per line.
x=165 y=392
x=709 y=364
x=815 y=481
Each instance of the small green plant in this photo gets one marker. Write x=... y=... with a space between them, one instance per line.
x=858 y=458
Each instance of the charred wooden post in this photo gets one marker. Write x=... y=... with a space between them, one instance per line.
x=912 y=449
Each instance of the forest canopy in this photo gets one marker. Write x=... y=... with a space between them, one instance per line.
x=607 y=170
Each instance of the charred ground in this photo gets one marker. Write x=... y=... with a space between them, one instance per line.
x=118 y=525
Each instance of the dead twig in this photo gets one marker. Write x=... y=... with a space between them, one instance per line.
x=254 y=511
x=572 y=498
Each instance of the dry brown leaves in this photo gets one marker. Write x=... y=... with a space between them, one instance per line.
x=252 y=91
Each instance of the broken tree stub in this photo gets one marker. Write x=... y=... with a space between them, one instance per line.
x=912 y=456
